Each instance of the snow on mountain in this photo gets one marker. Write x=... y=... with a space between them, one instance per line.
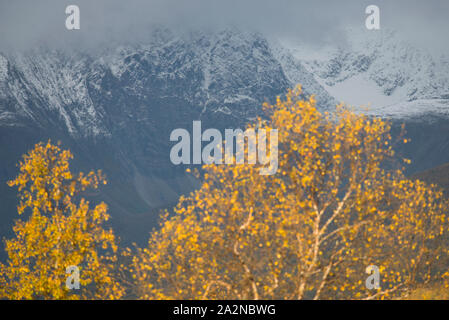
x=40 y=83
x=297 y=73
x=3 y=68
x=213 y=72
x=380 y=71
x=425 y=109
x=229 y=72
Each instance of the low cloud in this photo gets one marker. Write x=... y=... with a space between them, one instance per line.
x=27 y=23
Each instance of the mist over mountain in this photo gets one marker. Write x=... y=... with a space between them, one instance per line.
x=115 y=108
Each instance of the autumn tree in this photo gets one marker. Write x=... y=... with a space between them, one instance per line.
x=62 y=230
x=336 y=205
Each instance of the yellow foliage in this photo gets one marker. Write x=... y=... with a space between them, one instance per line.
x=308 y=231
x=61 y=231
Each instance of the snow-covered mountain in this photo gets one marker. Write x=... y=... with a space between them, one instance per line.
x=380 y=71
x=115 y=108
x=213 y=73
x=228 y=72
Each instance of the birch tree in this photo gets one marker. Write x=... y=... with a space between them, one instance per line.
x=335 y=206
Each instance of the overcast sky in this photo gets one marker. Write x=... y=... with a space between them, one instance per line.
x=25 y=23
